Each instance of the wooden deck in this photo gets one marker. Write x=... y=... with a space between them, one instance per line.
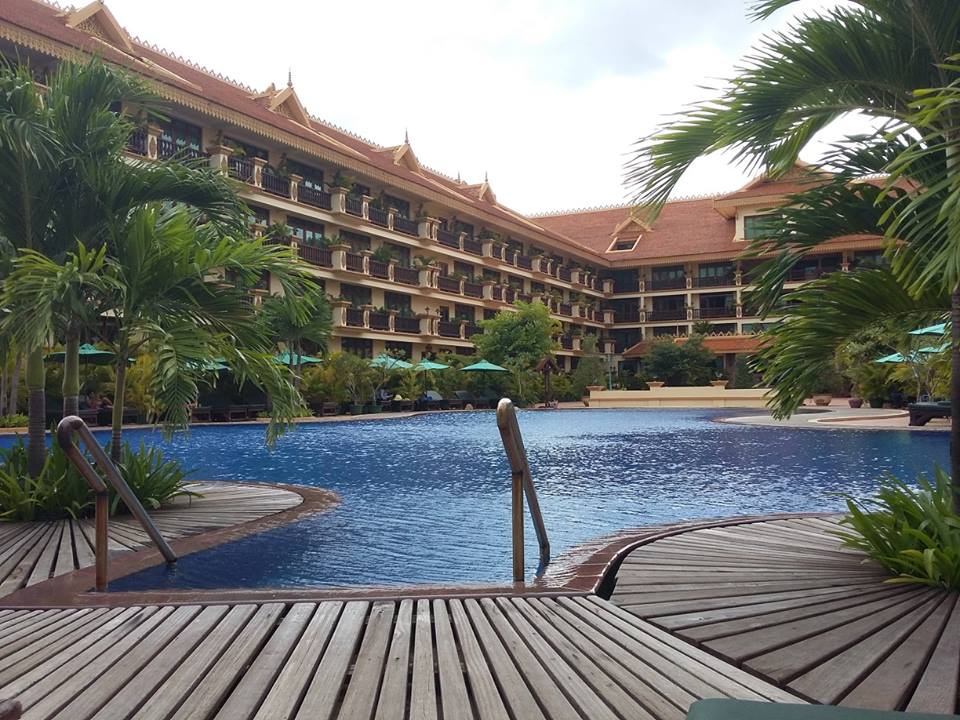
x=784 y=601
x=483 y=657
x=36 y=551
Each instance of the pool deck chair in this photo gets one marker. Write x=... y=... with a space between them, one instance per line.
x=924 y=412
x=726 y=709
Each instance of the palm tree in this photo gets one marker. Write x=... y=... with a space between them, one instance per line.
x=871 y=57
x=63 y=178
x=164 y=283
x=294 y=321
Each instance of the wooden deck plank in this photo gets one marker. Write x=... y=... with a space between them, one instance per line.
x=454 y=700
x=392 y=703
x=364 y=686
x=937 y=689
x=423 y=693
x=483 y=687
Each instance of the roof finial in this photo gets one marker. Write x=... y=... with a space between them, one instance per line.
x=458 y=176
x=289 y=77
x=406 y=137
x=485 y=178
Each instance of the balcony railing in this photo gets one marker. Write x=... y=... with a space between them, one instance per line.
x=354 y=205
x=379 y=320
x=497 y=292
x=137 y=142
x=448 y=284
x=379 y=216
x=524 y=262
x=812 y=273
x=661 y=315
x=240 y=168
x=626 y=286
x=354 y=317
x=380 y=269
x=714 y=281
x=449 y=329
x=406 y=324
x=714 y=312
x=407 y=276
x=509 y=295
x=471 y=329
x=474 y=247
x=675 y=283
x=166 y=148
x=354 y=262
x=565 y=309
x=626 y=315
x=315 y=255
x=405 y=225
x=275 y=185
x=524 y=297
x=564 y=274
x=448 y=239
x=474 y=290
x=497 y=252
x=566 y=342
x=314 y=197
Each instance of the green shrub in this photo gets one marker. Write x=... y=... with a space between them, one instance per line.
x=13 y=421
x=59 y=491
x=914 y=533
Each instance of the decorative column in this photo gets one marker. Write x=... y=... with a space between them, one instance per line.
x=339 y=312
x=366 y=207
x=575 y=276
x=295 y=181
x=391 y=213
x=338 y=254
x=258 y=165
x=537 y=263
x=608 y=317
x=392 y=269
x=366 y=260
x=609 y=347
x=426 y=323
x=153 y=140
x=393 y=319
x=427 y=275
x=338 y=200
x=366 y=315
x=220 y=157
x=427 y=228
x=577 y=347
x=488 y=286
x=608 y=286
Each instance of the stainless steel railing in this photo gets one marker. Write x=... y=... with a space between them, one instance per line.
x=65 y=431
x=522 y=485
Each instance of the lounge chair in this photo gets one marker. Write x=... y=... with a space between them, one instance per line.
x=469 y=399
x=201 y=413
x=726 y=709
x=327 y=409
x=401 y=405
x=230 y=413
x=105 y=416
x=253 y=411
x=90 y=416
x=923 y=412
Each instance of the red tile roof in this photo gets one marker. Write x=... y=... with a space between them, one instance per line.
x=720 y=344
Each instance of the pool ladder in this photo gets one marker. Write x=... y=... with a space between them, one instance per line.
x=65 y=431
x=522 y=484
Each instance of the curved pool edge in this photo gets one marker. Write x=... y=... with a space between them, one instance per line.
x=76 y=588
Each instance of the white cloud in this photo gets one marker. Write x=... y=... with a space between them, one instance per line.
x=546 y=96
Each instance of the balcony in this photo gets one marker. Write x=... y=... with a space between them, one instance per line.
x=405 y=225
x=448 y=239
x=471 y=329
x=626 y=315
x=315 y=198
x=137 y=142
x=471 y=289
x=497 y=252
x=566 y=342
x=379 y=269
x=626 y=286
x=809 y=273
x=716 y=281
x=674 y=283
x=445 y=328
x=708 y=313
x=379 y=216
x=406 y=325
x=474 y=247
x=354 y=317
x=664 y=315
x=275 y=185
x=565 y=309
x=240 y=169
x=407 y=276
x=497 y=293
x=524 y=297
x=354 y=262
x=315 y=255
x=509 y=295
x=448 y=284
x=379 y=320
x=354 y=205
x=524 y=262
x=564 y=274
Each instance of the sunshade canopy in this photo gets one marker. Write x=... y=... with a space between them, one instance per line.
x=899 y=357
x=430 y=365
x=285 y=358
x=88 y=354
x=483 y=366
x=931 y=330
x=389 y=363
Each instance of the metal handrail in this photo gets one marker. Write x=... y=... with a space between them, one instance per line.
x=522 y=484
x=65 y=430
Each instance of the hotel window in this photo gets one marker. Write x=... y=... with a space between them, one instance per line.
x=460 y=226
x=465 y=269
x=248 y=151
x=258 y=215
x=181 y=134
x=715 y=273
x=306 y=232
x=356 y=294
x=401 y=206
x=465 y=312
x=356 y=241
x=397 y=301
x=312 y=177
x=357 y=346
x=624 y=245
x=358 y=190
x=756 y=226
x=869 y=259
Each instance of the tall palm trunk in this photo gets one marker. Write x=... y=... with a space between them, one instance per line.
x=955 y=395
x=116 y=439
x=37 y=412
x=14 y=400
x=71 y=373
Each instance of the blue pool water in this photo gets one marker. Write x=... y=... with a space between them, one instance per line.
x=427 y=499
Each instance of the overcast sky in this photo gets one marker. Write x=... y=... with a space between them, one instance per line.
x=547 y=96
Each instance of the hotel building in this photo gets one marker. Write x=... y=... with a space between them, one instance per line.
x=413 y=258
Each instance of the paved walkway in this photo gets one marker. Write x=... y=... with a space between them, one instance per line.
x=842 y=416
x=32 y=552
x=783 y=600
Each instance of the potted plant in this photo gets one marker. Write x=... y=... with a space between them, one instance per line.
x=655 y=383
x=382 y=254
x=340 y=180
x=720 y=380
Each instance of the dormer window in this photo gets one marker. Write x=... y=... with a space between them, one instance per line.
x=756 y=226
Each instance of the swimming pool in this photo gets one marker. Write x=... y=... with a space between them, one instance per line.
x=427 y=499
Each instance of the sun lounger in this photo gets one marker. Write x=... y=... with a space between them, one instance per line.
x=253 y=411
x=90 y=416
x=201 y=413
x=922 y=413
x=401 y=405
x=725 y=709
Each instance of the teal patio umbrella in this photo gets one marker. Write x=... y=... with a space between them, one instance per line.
x=900 y=358
x=88 y=354
x=483 y=366
x=426 y=366
x=940 y=329
x=215 y=365
x=387 y=362
x=286 y=358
